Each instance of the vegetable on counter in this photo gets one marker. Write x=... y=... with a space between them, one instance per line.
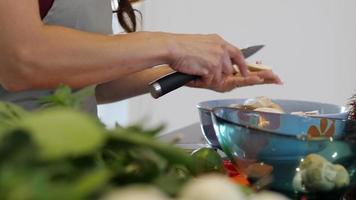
x=61 y=153
x=317 y=174
x=136 y=192
x=211 y=187
x=208 y=160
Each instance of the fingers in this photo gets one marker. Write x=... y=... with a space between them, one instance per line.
x=204 y=82
x=238 y=59
x=248 y=81
x=209 y=56
x=268 y=76
x=227 y=64
x=191 y=68
x=232 y=55
x=231 y=82
x=258 y=78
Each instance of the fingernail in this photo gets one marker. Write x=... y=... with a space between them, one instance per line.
x=236 y=69
x=205 y=72
x=279 y=82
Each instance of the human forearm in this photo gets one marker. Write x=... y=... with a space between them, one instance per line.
x=38 y=56
x=129 y=86
x=59 y=55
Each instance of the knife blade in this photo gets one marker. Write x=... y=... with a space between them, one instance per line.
x=176 y=80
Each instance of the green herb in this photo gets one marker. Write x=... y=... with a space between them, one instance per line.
x=65 y=97
x=61 y=153
x=63 y=132
x=208 y=160
x=10 y=115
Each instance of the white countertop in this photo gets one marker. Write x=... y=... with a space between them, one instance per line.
x=190 y=135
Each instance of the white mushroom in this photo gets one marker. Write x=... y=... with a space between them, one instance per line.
x=317 y=174
x=297 y=182
x=269 y=110
x=262 y=102
x=266 y=195
x=142 y=192
x=212 y=187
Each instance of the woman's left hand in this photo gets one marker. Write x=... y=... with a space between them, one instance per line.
x=231 y=82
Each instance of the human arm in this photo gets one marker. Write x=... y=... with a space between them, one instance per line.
x=138 y=83
x=129 y=86
x=230 y=82
x=38 y=56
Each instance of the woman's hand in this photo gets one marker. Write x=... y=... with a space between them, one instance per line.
x=208 y=56
x=231 y=82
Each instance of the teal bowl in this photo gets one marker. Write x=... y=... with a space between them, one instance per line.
x=274 y=145
x=206 y=111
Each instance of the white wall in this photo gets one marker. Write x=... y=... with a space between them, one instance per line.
x=118 y=112
x=310 y=43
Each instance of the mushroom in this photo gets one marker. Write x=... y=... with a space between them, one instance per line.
x=211 y=187
x=315 y=173
x=261 y=104
x=135 y=192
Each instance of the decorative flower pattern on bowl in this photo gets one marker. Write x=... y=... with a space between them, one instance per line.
x=326 y=129
x=267 y=121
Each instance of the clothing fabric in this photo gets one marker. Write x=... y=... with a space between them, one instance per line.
x=85 y=15
x=45 y=6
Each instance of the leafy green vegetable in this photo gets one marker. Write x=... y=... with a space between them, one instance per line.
x=173 y=181
x=208 y=160
x=10 y=115
x=91 y=181
x=61 y=132
x=64 y=97
x=62 y=153
x=171 y=153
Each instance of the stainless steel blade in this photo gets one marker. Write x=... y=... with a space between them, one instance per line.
x=247 y=52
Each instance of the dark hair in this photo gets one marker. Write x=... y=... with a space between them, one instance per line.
x=126 y=15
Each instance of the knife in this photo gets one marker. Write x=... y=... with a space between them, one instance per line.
x=176 y=80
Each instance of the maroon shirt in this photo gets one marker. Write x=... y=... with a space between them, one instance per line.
x=45 y=6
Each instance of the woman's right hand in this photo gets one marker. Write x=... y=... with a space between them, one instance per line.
x=208 y=56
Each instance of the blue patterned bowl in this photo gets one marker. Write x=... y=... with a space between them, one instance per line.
x=205 y=112
x=269 y=144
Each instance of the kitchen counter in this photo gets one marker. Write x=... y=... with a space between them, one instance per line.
x=188 y=137
x=191 y=137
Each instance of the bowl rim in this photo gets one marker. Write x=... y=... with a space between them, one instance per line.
x=341 y=122
x=204 y=108
x=321 y=116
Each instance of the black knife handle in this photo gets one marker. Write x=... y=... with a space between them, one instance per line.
x=169 y=83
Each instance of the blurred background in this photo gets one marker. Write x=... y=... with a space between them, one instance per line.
x=310 y=43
